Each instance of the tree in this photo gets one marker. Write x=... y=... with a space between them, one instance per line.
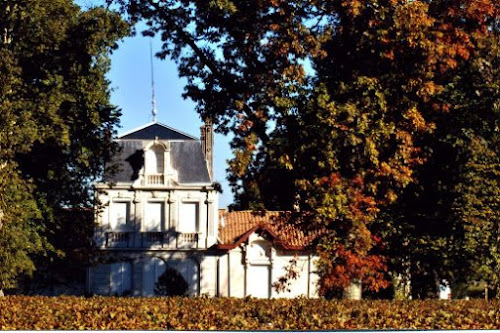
x=449 y=217
x=477 y=201
x=171 y=283
x=56 y=122
x=332 y=98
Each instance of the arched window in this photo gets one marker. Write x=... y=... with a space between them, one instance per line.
x=155 y=160
x=121 y=278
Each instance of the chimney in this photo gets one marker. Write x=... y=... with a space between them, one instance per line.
x=207 y=145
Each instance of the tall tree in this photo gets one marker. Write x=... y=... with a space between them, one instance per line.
x=331 y=98
x=56 y=121
x=476 y=205
x=449 y=218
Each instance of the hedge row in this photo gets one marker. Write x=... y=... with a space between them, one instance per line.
x=23 y=312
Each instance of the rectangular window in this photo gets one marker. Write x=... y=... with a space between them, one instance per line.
x=188 y=217
x=153 y=217
x=120 y=215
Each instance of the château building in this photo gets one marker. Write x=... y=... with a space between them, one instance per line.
x=160 y=209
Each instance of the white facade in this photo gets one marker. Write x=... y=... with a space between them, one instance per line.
x=161 y=210
x=253 y=268
x=166 y=219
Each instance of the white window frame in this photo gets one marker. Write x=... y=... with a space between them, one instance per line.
x=181 y=226
x=127 y=226
x=164 y=218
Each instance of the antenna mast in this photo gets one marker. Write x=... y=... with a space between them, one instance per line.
x=153 y=100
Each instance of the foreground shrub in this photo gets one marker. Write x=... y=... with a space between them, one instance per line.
x=29 y=313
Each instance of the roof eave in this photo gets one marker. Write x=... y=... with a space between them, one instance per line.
x=276 y=240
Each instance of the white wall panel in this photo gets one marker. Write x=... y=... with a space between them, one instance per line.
x=258 y=281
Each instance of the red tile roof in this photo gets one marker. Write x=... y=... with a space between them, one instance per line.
x=236 y=227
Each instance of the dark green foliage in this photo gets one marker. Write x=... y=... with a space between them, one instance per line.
x=56 y=122
x=446 y=225
x=72 y=234
x=171 y=283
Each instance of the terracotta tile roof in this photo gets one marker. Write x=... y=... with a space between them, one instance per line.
x=235 y=227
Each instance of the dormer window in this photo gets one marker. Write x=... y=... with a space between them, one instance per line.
x=157 y=168
x=155 y=165
x=155 y=160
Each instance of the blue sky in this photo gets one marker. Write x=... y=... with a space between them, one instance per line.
x=130 y=78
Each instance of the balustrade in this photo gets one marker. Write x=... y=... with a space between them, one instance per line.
x=170 y=239
x=117 y=239
x=155 y=179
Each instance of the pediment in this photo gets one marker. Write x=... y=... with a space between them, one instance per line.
x=154 y=131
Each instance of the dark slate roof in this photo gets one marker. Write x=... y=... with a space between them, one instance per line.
x=130 y=148
x=156 y=130
x=186 y=157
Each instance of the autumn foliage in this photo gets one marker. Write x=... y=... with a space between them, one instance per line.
x=335 y=106
x=98 y=313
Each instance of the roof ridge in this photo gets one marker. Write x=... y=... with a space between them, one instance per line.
x=178 y=131
x=139 y=128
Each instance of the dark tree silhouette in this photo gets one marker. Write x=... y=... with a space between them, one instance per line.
x=171 y=283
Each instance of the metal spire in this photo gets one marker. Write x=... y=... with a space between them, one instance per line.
x=153 y=100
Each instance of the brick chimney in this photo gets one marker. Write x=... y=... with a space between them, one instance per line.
x=207 y=145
